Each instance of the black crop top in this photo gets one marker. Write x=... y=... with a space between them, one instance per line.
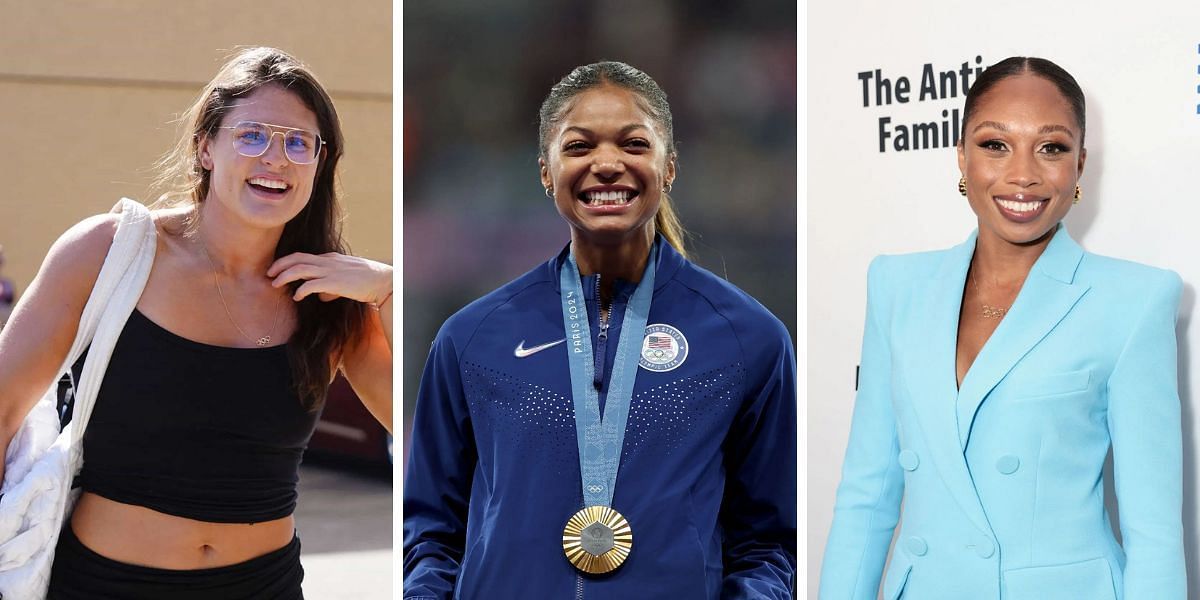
x=198 y=431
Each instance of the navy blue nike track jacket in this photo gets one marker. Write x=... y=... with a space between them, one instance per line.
x=707 y=477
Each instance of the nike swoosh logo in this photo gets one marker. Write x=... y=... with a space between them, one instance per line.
x=521 y=351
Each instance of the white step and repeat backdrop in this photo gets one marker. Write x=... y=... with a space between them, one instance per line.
x=885 y=93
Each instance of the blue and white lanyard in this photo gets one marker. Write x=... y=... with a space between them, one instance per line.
x=601 y=439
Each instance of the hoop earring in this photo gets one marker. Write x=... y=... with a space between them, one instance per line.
x=550 y=192
x=1078 y=194
x=667 y=188
x=962 y=186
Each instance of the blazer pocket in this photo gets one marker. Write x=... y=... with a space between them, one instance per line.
x=1030 y=386
x=1090 y=579
x=896 y=579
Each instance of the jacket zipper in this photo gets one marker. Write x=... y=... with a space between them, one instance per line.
x=601 y=354
x=599 y=359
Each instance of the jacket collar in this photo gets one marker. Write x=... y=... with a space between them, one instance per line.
x=947 y=413
x=1059 y=260
x=669 y=261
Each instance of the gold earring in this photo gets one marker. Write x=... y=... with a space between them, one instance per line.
x=962 y=186
x=1078 y=194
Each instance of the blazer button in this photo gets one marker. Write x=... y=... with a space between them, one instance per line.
x=909 y=460
x=1008 y=464
x=917 y=546
x=984 y=547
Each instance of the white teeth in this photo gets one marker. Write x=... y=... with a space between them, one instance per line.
x=1019 y=206
x=608 y=198
x=269 y=183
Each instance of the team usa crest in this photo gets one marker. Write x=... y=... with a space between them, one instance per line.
x=663 y=348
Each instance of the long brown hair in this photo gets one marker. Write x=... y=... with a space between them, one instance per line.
x=654 y=102
x=323 y=327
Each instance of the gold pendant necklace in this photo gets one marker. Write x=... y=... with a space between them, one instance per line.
x=993 y=312
x=262 y=341
x=989 y=311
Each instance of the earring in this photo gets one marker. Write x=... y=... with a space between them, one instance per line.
x=667 y=188
x=550 y=192
x=1078 y=194
x=962 y=185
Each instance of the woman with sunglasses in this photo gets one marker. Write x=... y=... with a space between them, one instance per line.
x=618 y=422
x=215 y=385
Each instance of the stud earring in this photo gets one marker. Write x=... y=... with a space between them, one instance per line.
x=1078 y=194
x=962 y=186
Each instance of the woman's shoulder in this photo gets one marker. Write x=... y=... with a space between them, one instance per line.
x=76 y=257
x=74 y=260
x=85 y=244
x=1100 y=268
x=911 y=265
x=745 y=314
x=1128 y=281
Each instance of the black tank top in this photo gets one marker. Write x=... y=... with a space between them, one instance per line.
x=198 y=431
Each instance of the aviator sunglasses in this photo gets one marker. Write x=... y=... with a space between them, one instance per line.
x=253 y=139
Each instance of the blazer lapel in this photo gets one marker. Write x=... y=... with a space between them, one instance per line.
x=933 y=328
x=1047 y=295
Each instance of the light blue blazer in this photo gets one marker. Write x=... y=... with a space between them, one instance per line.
x=1001 y=480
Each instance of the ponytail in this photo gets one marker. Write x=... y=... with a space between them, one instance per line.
x=667 y=223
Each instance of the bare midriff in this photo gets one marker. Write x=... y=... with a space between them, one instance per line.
x=140 y=536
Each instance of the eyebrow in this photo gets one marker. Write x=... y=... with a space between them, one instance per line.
x=1053 y=128
x=588 y=132
x=1044 y=129
x=992 y=124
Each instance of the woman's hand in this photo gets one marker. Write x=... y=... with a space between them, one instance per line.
x=366 y=360
x=332 y=275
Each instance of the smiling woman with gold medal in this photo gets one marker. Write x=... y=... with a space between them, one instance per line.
x=618 y=422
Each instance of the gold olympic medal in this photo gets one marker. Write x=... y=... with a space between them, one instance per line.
x=597 y=539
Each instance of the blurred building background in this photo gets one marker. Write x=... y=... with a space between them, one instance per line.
x=475 y=74
x=88 y=95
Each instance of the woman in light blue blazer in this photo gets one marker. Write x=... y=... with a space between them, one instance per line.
x=996 y=376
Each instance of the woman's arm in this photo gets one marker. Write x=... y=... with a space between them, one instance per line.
x=758 y=508
x=437 y=484
x=35 y=342
x=367 y=364
x=868 y=498
x=367 y=360
x=1144 y=422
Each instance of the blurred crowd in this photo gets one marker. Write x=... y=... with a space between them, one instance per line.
x=474 y=77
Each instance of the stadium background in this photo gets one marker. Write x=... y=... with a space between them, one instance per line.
x=475 y=75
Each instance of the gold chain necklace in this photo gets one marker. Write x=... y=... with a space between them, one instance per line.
x=989 y=311
x=262 y=341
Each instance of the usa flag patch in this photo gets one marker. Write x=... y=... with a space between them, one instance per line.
x=663 y=348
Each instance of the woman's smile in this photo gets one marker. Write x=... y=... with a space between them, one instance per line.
x=608 y=199
x=268 y=187
x=1021 y=208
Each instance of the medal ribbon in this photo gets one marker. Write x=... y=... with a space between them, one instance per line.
x=601 y=439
